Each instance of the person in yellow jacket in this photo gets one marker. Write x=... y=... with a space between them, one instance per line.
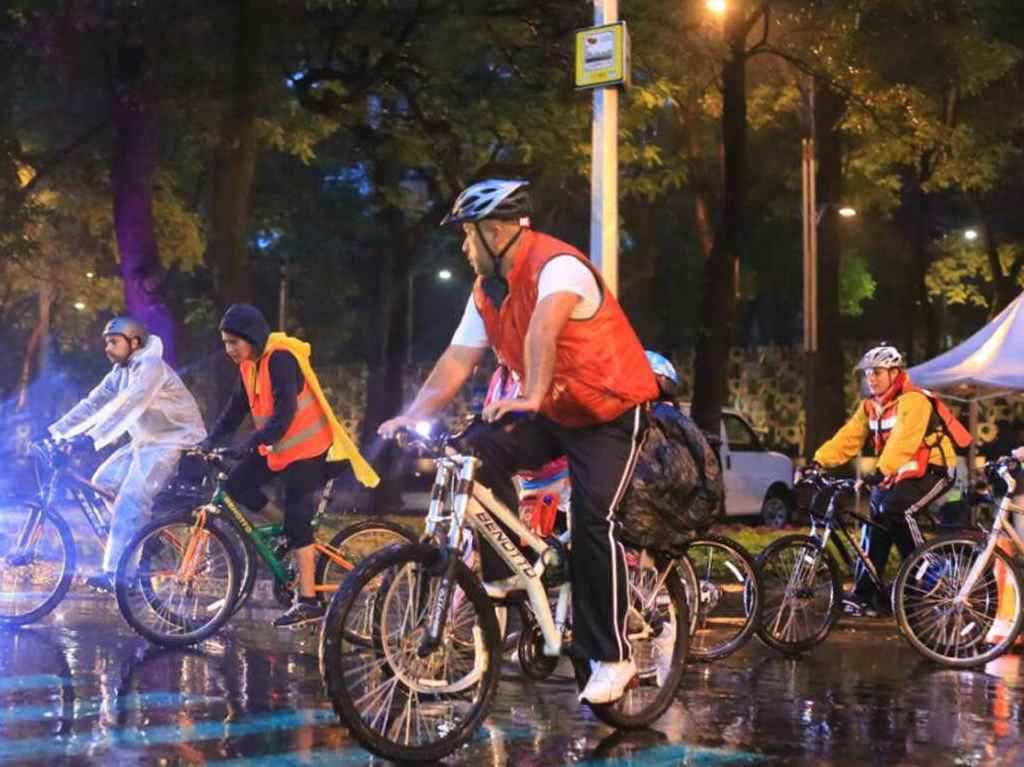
x=916 y=463
x=296 y=434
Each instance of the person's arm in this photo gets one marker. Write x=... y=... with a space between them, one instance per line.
x=452 y=370
x=116 y=417
x=913 y=412
x=79 y=418
x=231 y=416
x=846 y=443
x=284 y=383
x=546 y=324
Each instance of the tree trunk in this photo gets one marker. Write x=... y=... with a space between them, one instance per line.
x=38 y=346
x=234 y=168
x=385 y=377
x=135 y=160
x=824 y=404
x=718 y=299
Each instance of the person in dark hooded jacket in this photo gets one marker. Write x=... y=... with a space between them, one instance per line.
x=290 y=443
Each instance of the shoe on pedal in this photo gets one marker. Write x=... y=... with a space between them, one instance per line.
x=300 y=613
x=608 y=681
x=101 y=582
x=858 y=607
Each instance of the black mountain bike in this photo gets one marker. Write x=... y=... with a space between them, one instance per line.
x=800 y=577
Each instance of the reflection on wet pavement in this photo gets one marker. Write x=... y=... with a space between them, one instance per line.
x=82 y=689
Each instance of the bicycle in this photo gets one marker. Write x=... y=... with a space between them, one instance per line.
x=799 y=573
x=947 y=597
x=37 y=549
x=182 y=578
x=425 y=681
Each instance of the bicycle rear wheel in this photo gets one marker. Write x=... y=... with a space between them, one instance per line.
x=396 y=703
x=934 y=620
x=177 y=581
x=37 y=563
x=728 y=607
x=657 y=626
x=802 y=594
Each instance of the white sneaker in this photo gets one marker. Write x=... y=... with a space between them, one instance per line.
x=662 y=647
x=608 y=681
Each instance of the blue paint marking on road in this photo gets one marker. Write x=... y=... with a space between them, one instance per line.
x=321 y=757
x=677 y=754
x=83 y=709
x=33 y=682
x=79 y=744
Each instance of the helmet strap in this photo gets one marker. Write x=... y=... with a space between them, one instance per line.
x=496 y=257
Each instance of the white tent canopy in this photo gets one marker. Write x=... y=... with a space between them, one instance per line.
x=989 y=363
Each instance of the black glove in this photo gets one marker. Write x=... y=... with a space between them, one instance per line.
x=874 y=479
x=82 y=442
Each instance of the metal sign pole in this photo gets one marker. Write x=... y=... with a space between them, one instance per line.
x=604 y=177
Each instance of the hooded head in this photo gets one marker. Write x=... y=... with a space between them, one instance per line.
x=246 y=322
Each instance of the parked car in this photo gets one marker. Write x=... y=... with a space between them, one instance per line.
x=758 y=481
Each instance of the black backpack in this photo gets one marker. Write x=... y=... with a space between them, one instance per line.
x=676 y=487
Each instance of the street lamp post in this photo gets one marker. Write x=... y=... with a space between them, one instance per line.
x=604 y=176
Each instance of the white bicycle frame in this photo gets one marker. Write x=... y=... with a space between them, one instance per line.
x=1000 y=526
x=476 y=504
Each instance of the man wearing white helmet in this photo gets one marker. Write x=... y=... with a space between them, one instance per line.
x=546 y=313
x=144 y=398
x=913 y=435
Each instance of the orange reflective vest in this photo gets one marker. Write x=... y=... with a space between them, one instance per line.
x=600 y=367
x=309 y=434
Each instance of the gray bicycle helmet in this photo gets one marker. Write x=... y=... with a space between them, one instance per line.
x=128 y=327
x=503 y=199
x=885 y=355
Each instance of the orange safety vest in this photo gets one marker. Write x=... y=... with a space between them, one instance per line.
x=600 y=367
x=882 y=419
x=309 y=433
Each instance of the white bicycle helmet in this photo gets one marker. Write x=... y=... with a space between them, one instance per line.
x=662 y=367
x=503 y=199
x=882 y=356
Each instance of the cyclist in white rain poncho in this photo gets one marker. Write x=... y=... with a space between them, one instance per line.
x=144 y=398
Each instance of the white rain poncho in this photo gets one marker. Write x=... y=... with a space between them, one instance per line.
x=145 y=399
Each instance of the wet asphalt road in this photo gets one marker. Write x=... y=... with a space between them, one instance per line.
x=82 y=689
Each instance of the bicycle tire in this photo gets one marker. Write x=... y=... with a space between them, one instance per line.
x=918 y=581
x=69 y=559
x=616 y=714
x=750 y=599
x=324 y=572
x=799 y=547
x=334 y=655
x=192 y=631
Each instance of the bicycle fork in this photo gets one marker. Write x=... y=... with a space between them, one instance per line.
x=450 y=556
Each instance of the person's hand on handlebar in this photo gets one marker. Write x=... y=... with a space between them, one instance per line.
x=389 y=428
x=497 y=410
x=872 y=480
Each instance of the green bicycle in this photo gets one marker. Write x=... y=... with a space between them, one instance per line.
x=181 y=578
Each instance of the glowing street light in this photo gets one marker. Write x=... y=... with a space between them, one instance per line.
x=444 y=274
x=79 y=306
x=89 y=275
x=970 y=234
x=847 y=212
x=716 y=6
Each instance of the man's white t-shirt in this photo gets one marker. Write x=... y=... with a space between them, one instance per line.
x=561 y=273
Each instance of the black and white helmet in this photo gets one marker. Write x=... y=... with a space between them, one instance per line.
x=882 y=356
x=499 y=198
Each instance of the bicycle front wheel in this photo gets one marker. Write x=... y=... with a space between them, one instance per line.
x=945 y=627
x=728 y=603
x=399 y=699
x=177 y=580
x=37 y=562
x=802 y=594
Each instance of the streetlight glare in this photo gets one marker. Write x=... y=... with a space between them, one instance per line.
x=847 y=212
x=79 y=306
x=444 y=274
x=716 y=6
x=970 y=234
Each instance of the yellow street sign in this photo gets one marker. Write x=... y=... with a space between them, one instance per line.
x=602 y=56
